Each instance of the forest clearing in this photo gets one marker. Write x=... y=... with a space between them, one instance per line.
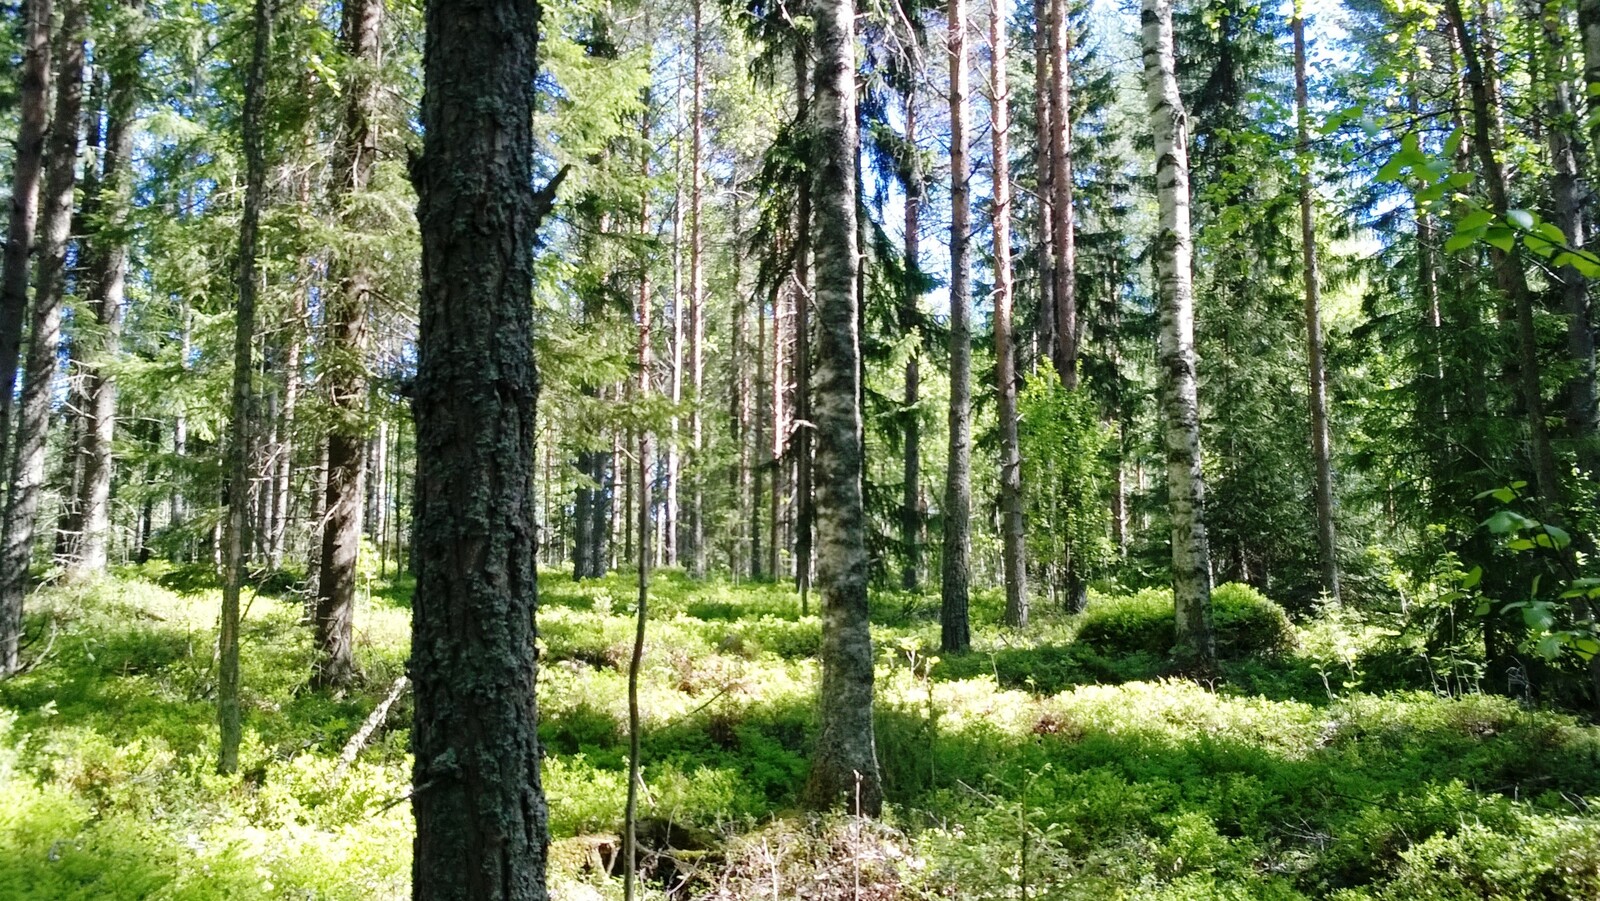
x=503 y=450
x=1323 y=762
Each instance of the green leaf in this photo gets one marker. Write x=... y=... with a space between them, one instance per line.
x=1459 y=241
x=1537 y=617
x=1550 y=232
x=1502 y=237
x=1521 y=219
x=1549 y=647
x=1482 y=609
x=1557 y=535
x=1452 y=144
x=1472 y=578
x=1474 y=220
x=1504 y=521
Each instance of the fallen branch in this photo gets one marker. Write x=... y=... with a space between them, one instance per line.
x=364 y=734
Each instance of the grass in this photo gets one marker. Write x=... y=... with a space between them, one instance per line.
x=1063 y=760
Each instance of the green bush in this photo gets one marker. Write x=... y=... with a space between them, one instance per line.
x=1247 y=624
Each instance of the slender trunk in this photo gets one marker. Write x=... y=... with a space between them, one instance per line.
x=481 y=820
x=44 y=343
x=239 y=429
x=697 y=313
x=1321 y=438
x=844 y=762
x=1195 y=642
x=283 y=462
x=780 y=435
x=671 y=545
x=954 y=632
x=739 y=386
x=1045 y=328
x=27 y=167
x=911 y=495
x=636 y=661
x=758 y=448
x=1512 y=279
x=107 y=278
x=1064 y=272
x=1013 y=550
x=344 y=369
x=803 y=499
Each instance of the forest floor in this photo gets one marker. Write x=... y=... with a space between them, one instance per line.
x=1056 y=764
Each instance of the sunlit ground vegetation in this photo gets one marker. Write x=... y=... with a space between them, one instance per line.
x=1325 y=762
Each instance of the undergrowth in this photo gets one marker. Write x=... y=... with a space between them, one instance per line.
x=1063 y=763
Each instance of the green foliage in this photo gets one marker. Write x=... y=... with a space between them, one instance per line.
x=1064 y=474
x=1247 y=624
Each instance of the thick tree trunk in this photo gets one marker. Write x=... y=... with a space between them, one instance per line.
x=344 y=359
x=954 y=632
x=107 y=280
x=844 y=764
x=911 y=493
x=240 y=421
x=1512 y=279
x=1321 y=436
x=28 y=165
x=481 y=820
x=44 y=342
x=1195 y=644
x=1013 y=547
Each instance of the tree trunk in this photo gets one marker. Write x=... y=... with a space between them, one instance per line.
x=759 y=466
x=1583 y=405
x=697 y=314
x=44 y=343
x=636 y=661
x=1321 y=436
x=844 y=763
x=481 y=822
x=1195 y=645
x=344 y=359
x=15 y=271
x=1013 y=549
x=240 y=422
x=911 y=495
x=954 y=631
x=1045 y=337
x=1512 y=279
x=803 y=463
x=1064 y=272
x=107 y=281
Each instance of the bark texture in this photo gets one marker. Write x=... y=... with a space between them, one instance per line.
x=1013 y=545
x=34 y=118
x=33 y=421
x=955 y=633
x=1195 y=642
x=1064 y=255
x=844 y=767
x=344 y=357
x=911 y=494
x=482 y=830
x=239 y=429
